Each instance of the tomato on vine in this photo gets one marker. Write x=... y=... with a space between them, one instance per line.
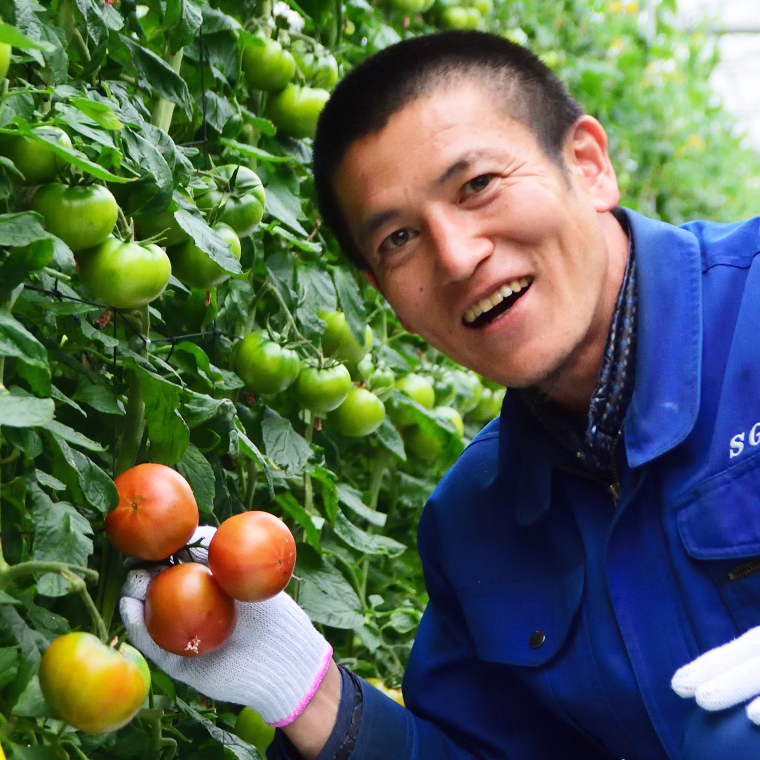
x=92 y=686
x=417 y=387
x=82 y=216
x=38 y=163
x=360 y=414
x=264 y=365
x=195 y=268
x=266 y=65
x=252 y=556
x=156 y=514
x=318 y=66
x=124 y=275
x=338 y=341
x=250 y=727
x=295 y=110
x=237 y=198
x=322 y=389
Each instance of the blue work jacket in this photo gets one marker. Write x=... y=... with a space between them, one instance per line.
x=560 y=607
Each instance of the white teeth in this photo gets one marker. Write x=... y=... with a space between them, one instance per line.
x=486 y=304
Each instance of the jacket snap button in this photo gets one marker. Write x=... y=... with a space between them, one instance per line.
x=537 y=639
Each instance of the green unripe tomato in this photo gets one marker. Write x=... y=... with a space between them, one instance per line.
x=124 y=275
x=489 y=406
x=241 y=205
x=419 y=389
x=80 y=215
x=195 y=268
x=484 y=7
x=360 y=414
x=427 y=446
x=338 y=341
x=265 y=366
x=319 y=67
x=295 y=111
x=94 y=687
x=162 y=226
x=469 y=389
x=5 y=59
x=321 y=390
x=38 y=163
x=445 y=389
x=250 y=727
x=411 y=7
x=266 y=66
x=457 y=17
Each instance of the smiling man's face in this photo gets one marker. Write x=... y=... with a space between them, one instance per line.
x=485 y=246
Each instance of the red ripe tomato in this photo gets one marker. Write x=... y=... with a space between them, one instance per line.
x=186 y=611
x=156 y=514
x=92 y=686
x=252 y=555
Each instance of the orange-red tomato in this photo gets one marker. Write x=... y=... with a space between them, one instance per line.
x=92 y=686
x=252 y=556
x=156 y=514
x=186 y=611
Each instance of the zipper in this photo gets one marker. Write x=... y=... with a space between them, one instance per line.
x=744 y=569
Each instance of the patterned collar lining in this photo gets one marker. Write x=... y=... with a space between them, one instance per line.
x=593 y=446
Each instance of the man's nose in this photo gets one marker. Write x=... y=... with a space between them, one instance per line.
x=459 y=244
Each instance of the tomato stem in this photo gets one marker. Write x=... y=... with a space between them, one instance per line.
x=78 y=585
x=308 y=497
x=164 y=109
x=31 y=567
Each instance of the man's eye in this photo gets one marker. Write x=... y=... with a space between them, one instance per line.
x=477 y=184
x=396 y=240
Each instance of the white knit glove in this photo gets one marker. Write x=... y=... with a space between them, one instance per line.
x=725 y=676
x=273 y=662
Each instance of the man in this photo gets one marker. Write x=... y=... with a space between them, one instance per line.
x=604 y=532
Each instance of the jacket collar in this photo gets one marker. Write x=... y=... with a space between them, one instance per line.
x=665 y=399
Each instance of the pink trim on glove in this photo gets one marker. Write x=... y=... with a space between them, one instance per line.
x=307 y=698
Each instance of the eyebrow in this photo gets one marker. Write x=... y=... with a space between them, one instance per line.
x=462 y=164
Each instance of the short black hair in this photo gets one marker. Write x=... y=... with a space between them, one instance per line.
x=384 y=83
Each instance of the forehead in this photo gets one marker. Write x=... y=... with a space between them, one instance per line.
x=427 y=137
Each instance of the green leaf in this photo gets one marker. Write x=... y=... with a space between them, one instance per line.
x=168 y=434
x=240 y=749
x=183 y=20
x=99 y=398
x=61 y=535
x=350 y=299
x=253 y=152
x=391 y=439
x=20 y=410
x=21 y=229
x=72 y=436
x=8 y=661
x=324 y=593
x=311 y=524
x=18 y=343
x=200 y=475
x=249 y=448
x=283 y=203
x=352 y=499
x=207 y=240
x=101 y=113
x=367 y=543
x=13 y=37
x=283 y=445
x=153 y=73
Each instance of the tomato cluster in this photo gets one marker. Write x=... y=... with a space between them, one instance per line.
x=189 y=607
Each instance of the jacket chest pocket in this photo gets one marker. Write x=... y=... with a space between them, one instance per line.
x=524 y=622
x=720 y=526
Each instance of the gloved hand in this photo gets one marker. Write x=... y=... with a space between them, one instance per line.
x=725 y=676
x=273 y=662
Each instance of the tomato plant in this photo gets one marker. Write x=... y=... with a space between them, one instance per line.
x=425 y=443
x=266 y=66
x=322 y=389
x=81 y=215
x=156 y=514
x=123 y=274
x=5 y=58
x=264 y=365
x=92 y=686
x=186 y=611
x=195 y=268
x=318 y=66
x=252 y=556
x=38 y=163
x=295 y=110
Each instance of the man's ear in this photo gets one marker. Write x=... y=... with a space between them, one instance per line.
x=586 y=154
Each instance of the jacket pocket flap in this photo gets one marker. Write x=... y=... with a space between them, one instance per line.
x=722 y=520
x=522 y=622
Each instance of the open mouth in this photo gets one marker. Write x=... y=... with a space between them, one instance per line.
x=501 y=300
